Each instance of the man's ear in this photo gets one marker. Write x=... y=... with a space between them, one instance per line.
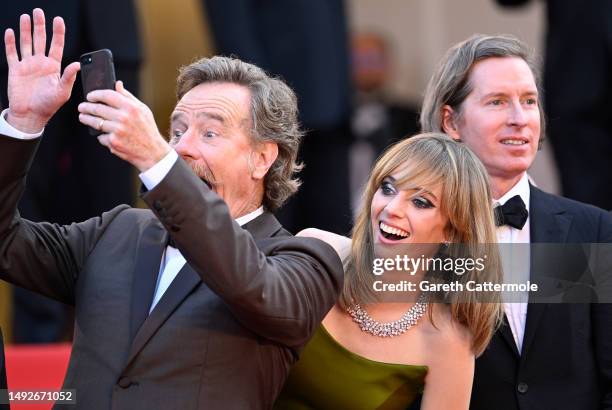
x=449 y=122
x=262 y=158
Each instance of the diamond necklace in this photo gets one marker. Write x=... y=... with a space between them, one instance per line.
x=389 y=329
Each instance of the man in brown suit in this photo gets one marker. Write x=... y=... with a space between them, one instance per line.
x=204 y=301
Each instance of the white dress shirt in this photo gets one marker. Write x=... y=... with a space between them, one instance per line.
x=172 y=260
x=10 y=131
x=516 y=262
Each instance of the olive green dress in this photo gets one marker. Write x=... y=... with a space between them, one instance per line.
x=328 y=376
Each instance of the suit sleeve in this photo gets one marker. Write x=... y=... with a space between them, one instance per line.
x=282 y=295
x=42 y=257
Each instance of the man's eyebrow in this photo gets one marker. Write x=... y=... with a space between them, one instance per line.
x=503 y=94
x=176 y=116
x=494 y=94
x=179 y=115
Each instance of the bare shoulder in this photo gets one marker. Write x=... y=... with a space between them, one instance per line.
x=446 y=339
x=450 y=359
x=341 y=244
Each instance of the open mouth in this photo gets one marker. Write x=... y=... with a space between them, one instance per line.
x=513 y=141
x=207 y=183
x=391 y=233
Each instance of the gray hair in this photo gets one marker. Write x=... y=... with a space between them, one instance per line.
x=450 y=84
x=274 y=117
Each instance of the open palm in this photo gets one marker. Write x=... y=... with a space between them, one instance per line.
x=36 y=88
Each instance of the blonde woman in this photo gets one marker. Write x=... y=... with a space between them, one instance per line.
x=426 y=191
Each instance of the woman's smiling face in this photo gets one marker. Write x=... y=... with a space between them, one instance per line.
x=407 y=216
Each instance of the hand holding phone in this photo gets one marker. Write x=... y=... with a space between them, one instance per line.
x=97 y=73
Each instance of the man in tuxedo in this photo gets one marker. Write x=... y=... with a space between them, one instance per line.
x=204 y=301
x=545 y=356
x=578 y=83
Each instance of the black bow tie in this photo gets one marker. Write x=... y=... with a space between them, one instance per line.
x=513 y=213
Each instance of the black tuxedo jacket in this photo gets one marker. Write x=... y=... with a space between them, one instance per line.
x=578 y=94
x=225 y=332
x=566 y=361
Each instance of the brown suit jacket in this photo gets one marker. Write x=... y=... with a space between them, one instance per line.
x=225 y=332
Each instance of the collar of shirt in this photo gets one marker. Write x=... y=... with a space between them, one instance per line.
x=507 y=234
x=521 y=188
x=516 y=261
x=173 y=261
x=250 y=216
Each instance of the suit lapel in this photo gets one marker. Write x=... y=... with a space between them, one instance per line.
x=264 y=226
x=186 y=280
x=549 y=223
x=506 y=334
x=146 y=270
x=548 y=220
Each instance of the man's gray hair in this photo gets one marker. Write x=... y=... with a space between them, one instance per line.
x=274 y=117
x=450 y=85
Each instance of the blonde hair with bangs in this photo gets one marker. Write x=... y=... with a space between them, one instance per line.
x=423 y=161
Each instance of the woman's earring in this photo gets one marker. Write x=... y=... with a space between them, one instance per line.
x=443 y=249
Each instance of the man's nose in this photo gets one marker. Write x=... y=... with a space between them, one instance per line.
x=185 y=146
x=517 y=116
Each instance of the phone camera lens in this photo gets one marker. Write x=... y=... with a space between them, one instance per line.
x=87 y=60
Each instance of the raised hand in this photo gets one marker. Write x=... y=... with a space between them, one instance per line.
x=128 y=125
x=36 y=87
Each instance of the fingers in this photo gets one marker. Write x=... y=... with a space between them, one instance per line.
x=109 y=140
x=25 y=36
x=104 y=139
x=57 y=41
x=108 y=97
x=40 y=33
x=121 y=89
x=10 y=48
x=69 y=76
x=99 y=111
x=98 y=123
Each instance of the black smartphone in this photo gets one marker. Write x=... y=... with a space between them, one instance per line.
x=97 y=73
